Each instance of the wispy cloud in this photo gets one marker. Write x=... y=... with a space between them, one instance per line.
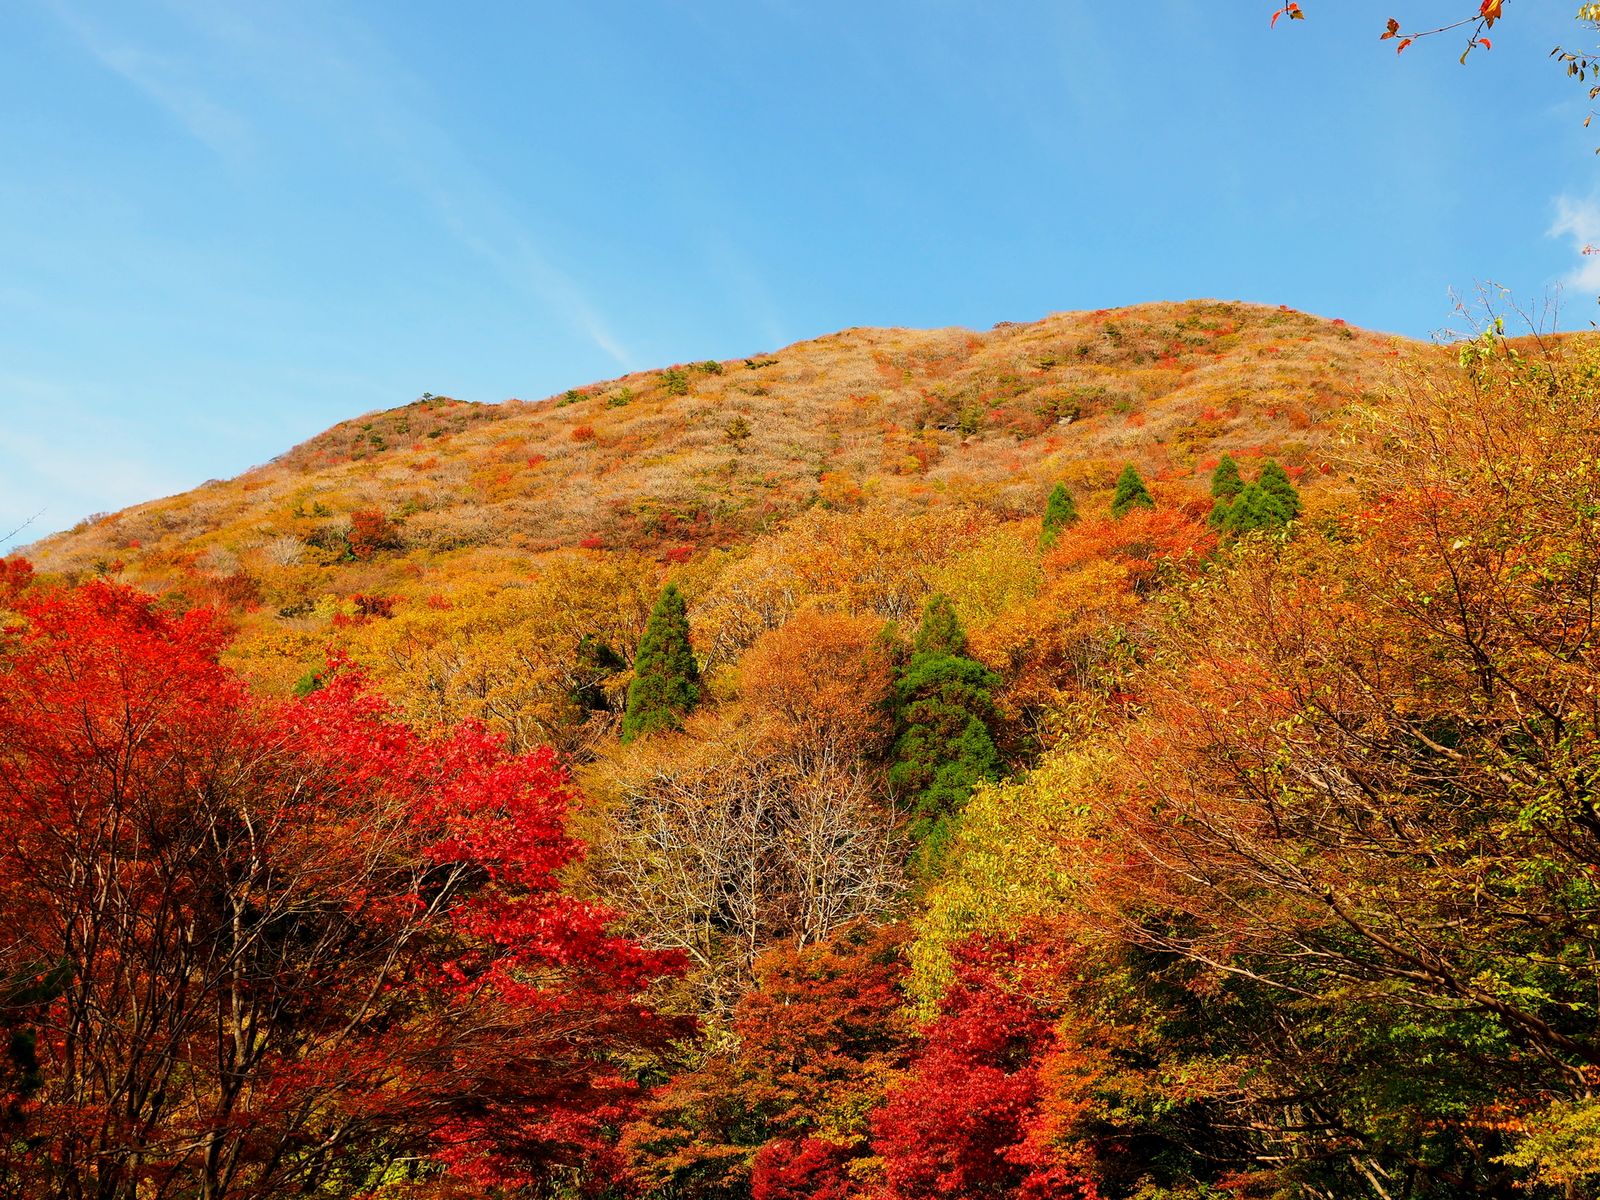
x=164 y=80
x=337 y=72
x=1579 y=220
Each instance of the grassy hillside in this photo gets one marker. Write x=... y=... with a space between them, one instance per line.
x=673 y=465
x=1142 y=755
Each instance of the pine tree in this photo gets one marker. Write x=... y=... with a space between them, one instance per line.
x=1060 y=511
x=666 y=681
x=1226 y=482
x=1274 y=480
x=1131 y=492
x=940 y=631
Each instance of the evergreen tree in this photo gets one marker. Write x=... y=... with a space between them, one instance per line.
x=940 y=631
x=1256 y=508
x=1060 y=511
x=1131 y=492
x=1226 y=482
x=945 y=703
x=666 y=681
x=1274 y=480
x=596 y=662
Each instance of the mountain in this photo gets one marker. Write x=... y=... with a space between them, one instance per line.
x=1137 y=754
x=677 y=464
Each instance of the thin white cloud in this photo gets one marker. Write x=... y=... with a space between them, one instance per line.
x=163 y=81
x=1579 y=220
x=337 y=70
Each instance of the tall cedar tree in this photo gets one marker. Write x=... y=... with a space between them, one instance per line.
x=1131 y=492
x=1060 y=511
x=1226 y=484
x=946 y=702
x=940 y=631
x=666 y=681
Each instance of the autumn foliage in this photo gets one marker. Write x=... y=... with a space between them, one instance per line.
x=967 y=1119
x=1185 y=795
x=262 y=950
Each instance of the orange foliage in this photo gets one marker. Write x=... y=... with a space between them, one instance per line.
x=824 y=678
x=1144 y=544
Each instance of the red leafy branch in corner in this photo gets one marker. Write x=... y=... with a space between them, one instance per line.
x=1489 y=11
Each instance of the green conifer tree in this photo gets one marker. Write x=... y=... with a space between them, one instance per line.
x=945 y=703
x=1226 y=482
x=596 y=662
x=940 y=631
x=1131 y=492
x=1256 y=508
x=1274 y=480
x=1060 y=511
x=666 y=681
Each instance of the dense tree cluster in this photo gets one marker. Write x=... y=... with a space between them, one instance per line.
x=283 y=950
x=1269 y=502
x=1139 y=844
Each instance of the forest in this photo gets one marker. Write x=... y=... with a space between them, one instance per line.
x=1148 y=755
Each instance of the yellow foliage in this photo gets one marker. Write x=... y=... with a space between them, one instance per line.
x=1561 y=1145
x=997 y=572
x=1017 y=854
x=872 y=562
x=508 y=655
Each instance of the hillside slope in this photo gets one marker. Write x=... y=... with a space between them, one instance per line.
x=670 y=465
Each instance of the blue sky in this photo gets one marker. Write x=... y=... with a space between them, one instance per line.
x=225 y=226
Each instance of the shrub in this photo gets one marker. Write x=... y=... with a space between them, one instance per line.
x=1131 y=493
x=371 y=532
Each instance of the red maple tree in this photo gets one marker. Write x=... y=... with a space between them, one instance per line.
x=970 y=1117
x=257 y=949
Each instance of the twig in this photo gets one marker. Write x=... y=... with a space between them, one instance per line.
x=20 y=528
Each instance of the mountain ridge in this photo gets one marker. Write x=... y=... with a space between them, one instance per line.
x=676 y=464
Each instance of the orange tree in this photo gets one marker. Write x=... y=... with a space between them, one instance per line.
x=1363 y=779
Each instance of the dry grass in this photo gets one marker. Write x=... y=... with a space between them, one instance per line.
x=674 y=464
